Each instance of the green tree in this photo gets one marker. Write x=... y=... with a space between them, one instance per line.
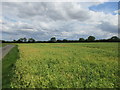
x=31 y=40
x=53 y=39
x=14 y=40
x=91 y=38
x=59 y=40
x=81 y=39
x=20 y=40
x=65 y=40
x=24 y=39
x=114 y=38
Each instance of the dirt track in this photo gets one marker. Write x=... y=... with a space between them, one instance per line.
x=4 y=50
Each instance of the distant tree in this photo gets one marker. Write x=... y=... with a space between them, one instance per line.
x=14 y=40
x=114 y=38
x=53 y=39
x=81 y=39
x=65 y=40
x=31 y=40
x=59 y=40
x=91 y=38
x=24 y=39
x=20 y=40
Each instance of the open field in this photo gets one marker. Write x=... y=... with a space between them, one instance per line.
x=66 y=65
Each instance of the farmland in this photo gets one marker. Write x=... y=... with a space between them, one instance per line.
x=66 y=65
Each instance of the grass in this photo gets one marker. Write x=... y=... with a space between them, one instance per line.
x=8 y=66
x=66 y=65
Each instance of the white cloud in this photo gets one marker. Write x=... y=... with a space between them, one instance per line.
x=63 y=20
x=117 y=11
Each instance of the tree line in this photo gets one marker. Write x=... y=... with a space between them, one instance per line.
x=54 y=40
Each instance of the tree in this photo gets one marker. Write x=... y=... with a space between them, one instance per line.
x=14 y=40
x=81 y=39
x=114 y=38
x=31 y=40
x=53 y=39
x=20 y=40
x=91 y=38
x=59 y=40
x=24 y=39
x=65 y=40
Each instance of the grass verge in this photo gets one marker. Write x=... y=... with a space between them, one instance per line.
x=8 y=64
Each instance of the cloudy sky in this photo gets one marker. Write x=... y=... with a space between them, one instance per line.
x=64 y=20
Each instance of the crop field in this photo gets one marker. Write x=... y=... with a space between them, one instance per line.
x=66 y=65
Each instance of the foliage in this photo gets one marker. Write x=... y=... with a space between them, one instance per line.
x=67 y=65
x=65 y=40
x=22 y=40
x=114 y=38
x=91 y=38
x=31 y=40
x=81 y=39
x=53 y=39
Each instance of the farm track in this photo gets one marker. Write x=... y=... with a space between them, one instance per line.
x=4 y=50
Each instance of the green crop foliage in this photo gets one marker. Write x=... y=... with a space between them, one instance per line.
x=67 y=65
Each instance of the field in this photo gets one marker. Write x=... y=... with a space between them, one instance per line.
x=66 y=65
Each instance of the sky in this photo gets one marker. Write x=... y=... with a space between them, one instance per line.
x=64 y=20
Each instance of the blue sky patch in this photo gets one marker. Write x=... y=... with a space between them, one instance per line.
x=107 y=7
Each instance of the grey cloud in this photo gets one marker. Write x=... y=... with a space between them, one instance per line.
x=20 y=33
x=81 y=16
x=68 y=11
x=44 y=20
x=9 y=33
x=54 y=11
x=76 y=12
x=106 y=26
